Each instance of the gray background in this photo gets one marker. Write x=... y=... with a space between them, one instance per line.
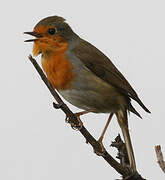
x=35 y=142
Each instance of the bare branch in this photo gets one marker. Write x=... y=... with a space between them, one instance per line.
x=160 y=158
x=123 y=156
x=126 y=172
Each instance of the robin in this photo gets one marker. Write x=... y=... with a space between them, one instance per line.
x=84 y=76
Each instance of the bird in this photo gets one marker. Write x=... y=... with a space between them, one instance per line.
x=84 y=76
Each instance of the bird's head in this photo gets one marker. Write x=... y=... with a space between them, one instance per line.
x=52 y=34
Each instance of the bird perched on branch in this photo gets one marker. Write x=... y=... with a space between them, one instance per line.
x=84 y=76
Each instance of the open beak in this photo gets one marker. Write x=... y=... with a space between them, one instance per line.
x=35 y=34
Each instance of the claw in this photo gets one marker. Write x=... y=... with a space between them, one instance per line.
x=102 y=152
x=74 y=126
x=67 y=119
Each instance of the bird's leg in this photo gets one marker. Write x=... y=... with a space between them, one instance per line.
x=81 y=113
x=80 y=124
x=105 y=128
x=100 y=141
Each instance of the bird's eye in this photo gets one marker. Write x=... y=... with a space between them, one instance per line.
x=51 y=31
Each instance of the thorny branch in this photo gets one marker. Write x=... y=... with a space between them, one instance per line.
x=160 y=158
x=125 y=171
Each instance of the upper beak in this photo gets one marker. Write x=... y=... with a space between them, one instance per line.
x=35 y=34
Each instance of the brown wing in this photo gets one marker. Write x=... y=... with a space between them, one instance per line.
x=101 y=66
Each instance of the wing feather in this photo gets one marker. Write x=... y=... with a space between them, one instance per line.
x=101 y=66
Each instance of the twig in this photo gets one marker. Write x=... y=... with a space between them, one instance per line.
x=124 y=171
x=123 y=156
x=122 y=152
x=160 y=158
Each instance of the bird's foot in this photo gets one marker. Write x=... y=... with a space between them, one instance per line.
x=75 y=126
x=100 y=151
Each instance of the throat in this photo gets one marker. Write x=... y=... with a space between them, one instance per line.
x=59 y=70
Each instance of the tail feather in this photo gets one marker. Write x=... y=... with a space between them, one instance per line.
x=123 y=122
x=129 y=148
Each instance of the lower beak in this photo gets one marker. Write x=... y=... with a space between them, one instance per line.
x=35 y=34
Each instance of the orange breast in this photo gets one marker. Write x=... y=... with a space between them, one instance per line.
x=59 y=71
x=57 y=67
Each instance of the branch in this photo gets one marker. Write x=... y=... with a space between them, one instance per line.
x=123 y=156
x=126 y=172
x=160 y=158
